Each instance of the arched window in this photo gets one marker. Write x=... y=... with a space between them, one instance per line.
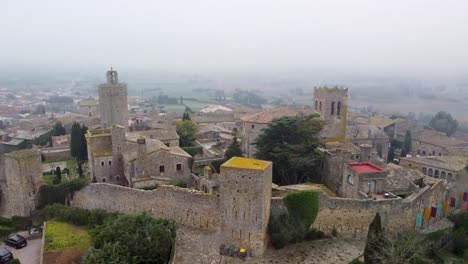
x=338 y=109
x=103 y=179
x=110 y=162
x=102 y=163
x=449 y=177
x=424 y=153
x=320 y=106
x=332 y=108
x=442 y=175
x=350 y=179
x=430 y=172
x=424 y=170
x=440 y=154
x=316 y=105
x=433 y=153
x=419 y=152
x=436 y=173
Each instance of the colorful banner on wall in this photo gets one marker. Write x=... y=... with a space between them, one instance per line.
x=456 y=201
x=419 y=220
x=465 y=196
x=445 y=206
x=452 y=202
x=427 y=214
x=464 y=206
x=439 y=209
x=433 y=211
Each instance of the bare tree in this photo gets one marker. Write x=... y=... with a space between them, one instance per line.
x=354 y=130
x=405 y=248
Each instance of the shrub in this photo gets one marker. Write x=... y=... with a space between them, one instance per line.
x=460 y=242
x=4 y=221
x=149 y=188
x=15 y=261
x=192 y=151
x=334 y=232
x=179 y=183
x=50 y=194
x=356 y=261
x=279 y=230
x=6 y=230
x=303 y=206
x=314 y=234
x=21 y=222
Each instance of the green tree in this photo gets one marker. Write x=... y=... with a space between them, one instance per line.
x=78 y=146
x=80 y=170
x=291 y=144
x=186 y=116
x=391 y=154
x=234 y=150
x=460 y=242
x=375 y=242
x=187 y=131
x=407 y=142
x=403 y=153
x=444 y=122
x=145 y=239
x=58 y=129
x=58 y=176
x=94 y=180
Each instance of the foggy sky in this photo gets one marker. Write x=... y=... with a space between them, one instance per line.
x=351 y=35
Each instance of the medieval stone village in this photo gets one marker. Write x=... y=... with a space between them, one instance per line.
x=223 y=206
x=228 y=132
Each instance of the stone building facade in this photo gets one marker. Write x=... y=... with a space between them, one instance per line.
x=130 y=159
x=332 y=104
x=20 y=182
x=361 y=180
x=113 y=101
x=370 y=135
x=448 y=168
x=89 y=107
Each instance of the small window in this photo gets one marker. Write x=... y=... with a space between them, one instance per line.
x=253 y=126
x=350 y=179
x=103 y=179
x=119 y=148
x=168 y=144
x=179 y=167
x=409 y=165
x=110 y=162
x=161 y=168
x=102 y=163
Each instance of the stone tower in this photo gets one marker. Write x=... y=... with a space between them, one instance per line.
x=23 y=178
x=118 y=146
x=245 y=193
x=113 y=101
x=332 y=104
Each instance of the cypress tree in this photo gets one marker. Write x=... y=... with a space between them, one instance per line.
x=80 y=170
x=234 y=150
x=375 y=241
x=391 y=154
x=58 y=176
x=407 y=142
x=75 y=140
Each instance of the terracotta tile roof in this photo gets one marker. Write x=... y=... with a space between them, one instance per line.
x=378 y=121
x=266 y=117
x=452 y=163
x=437 y=138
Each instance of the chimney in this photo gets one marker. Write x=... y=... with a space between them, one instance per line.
x=207 y=172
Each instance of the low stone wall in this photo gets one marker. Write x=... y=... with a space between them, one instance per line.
x=184 y=206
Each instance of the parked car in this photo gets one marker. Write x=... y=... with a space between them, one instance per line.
x=16 y=241
x=5 y=256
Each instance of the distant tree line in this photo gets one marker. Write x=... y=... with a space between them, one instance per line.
x=248 y=98
x=59 y=100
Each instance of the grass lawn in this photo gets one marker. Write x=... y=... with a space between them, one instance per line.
x=62 y=236
x=48 y=179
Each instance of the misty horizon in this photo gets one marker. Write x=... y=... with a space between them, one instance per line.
x=421 y=38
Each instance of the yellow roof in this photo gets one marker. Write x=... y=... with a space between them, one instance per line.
x=245 y=163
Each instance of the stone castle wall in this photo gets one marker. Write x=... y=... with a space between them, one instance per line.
x=186 y=207
x=352 y=217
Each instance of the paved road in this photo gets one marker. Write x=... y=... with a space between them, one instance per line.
x=29 y=254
